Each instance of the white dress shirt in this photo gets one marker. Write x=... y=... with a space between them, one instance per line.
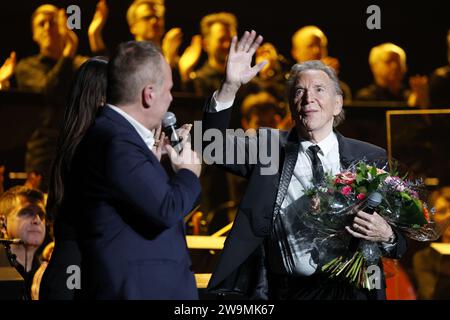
x=216 y=106
x=302 y=176
x=301 y=180
x=143 y=132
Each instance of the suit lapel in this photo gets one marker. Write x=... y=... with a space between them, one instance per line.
x=243 y=234
x=290 y=149
x=346 y=155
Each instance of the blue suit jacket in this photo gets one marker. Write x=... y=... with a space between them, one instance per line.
x=128 y=215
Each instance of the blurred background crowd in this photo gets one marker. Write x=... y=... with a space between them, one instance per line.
x=404 y=66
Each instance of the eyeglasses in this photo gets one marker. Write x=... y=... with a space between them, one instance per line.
x=31 y=211
x=150 y=17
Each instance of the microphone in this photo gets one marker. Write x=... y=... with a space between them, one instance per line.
x=11 y=241
x=373 y=201
x=169 y=124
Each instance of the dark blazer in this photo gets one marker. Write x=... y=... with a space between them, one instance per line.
x=240 y=267
x=128 y=216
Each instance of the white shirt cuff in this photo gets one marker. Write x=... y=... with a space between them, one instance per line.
x=388 y=246
x=216 y=106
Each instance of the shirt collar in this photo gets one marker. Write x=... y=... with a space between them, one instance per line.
x=143 y=132
x=326 y=145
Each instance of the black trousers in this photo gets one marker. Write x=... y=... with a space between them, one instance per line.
x=315 y=287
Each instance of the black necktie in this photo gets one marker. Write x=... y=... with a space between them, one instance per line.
x=317 y=167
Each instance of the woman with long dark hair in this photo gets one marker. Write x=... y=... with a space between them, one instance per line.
x=86 y=97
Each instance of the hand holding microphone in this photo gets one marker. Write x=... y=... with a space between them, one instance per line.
x=179 y=150
x=369 y=225
x=373 y=201
x=169 y=124
x=168 y=133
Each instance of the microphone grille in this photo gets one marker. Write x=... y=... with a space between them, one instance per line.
x=169 y=119
x=374 y=199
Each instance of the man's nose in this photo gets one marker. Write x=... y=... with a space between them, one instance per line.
x=308 y=97
x=36 y=219
x=47 y=25
x=153 y=21
x=316 y=50
x=394 y=65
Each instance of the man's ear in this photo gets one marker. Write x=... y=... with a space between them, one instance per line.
x=294 y=54
x=33 y=33
x=133 y=30
x=205 y=44
x=339 y=104
x=148 y=95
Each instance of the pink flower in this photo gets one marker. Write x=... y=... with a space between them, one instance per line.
x=348 y=175
x=345 y=178
x=346 y=190
x=360 y=196
x=348 y=182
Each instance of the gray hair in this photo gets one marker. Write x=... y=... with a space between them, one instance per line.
x=314 y=65
x=132 y=66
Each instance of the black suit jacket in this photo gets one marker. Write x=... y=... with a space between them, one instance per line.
x=240 y=267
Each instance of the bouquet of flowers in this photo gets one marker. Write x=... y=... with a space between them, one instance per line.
x=334 y=203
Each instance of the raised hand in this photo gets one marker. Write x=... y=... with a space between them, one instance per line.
x=239 y=70
x=96 y=27
x=100 y=17
x=170 y=45
x=7 y=69
x=71 y=44
x=69 y=36
x=419 y=96
x=190 y=57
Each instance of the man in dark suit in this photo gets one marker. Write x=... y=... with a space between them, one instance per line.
x=128 y=212
x=261 y=258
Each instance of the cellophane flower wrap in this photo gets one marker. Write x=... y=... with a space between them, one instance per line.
x=333 y=205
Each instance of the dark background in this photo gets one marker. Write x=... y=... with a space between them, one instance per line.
x=418 y=27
